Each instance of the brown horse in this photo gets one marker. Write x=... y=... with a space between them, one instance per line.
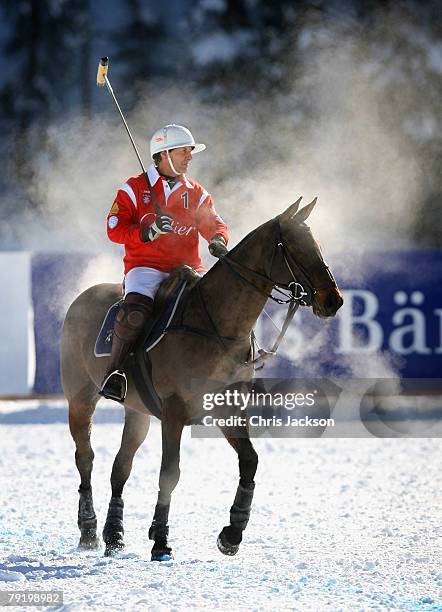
x=219 y=313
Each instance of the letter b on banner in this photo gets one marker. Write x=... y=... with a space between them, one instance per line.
x=350 y=322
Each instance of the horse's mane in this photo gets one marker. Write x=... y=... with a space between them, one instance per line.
x=184 y=272
x=248 y=236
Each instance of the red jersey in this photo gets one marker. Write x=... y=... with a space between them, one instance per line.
x=190 y=207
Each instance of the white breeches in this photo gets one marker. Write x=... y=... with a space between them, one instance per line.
x=143 y=280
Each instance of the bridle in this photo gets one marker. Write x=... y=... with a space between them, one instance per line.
x=300 y=288
x=299 y=291
x=294 y=287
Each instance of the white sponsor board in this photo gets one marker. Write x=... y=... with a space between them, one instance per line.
x=17 y=347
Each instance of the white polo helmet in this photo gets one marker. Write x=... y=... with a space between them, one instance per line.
x=173 y=136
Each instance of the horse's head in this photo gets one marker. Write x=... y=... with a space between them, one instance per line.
x=301 y=259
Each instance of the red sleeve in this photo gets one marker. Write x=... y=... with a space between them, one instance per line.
x=122 y=221
x=209 y=222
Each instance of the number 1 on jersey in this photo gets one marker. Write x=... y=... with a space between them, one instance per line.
x=185 y=197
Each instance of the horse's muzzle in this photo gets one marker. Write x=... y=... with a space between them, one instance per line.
x=327 y=302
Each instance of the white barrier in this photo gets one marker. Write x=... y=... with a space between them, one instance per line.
x=17 y=346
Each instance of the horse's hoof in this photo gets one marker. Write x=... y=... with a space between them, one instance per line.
x=114 y=548
x=159 y=556
x=89 y=540
x=161 y=551
x=226 y=547
x=114 y=544
x=89 y=544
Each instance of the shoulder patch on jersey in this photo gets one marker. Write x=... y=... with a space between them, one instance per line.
x=114 y=209
x=112 y=222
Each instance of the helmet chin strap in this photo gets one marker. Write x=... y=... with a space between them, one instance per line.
x=171 y=164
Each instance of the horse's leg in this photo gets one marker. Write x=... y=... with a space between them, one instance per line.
x=230 y=537
x=172 y=423
x=81 y=409
x=136 y=426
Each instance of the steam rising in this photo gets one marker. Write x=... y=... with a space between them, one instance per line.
x=261 y=156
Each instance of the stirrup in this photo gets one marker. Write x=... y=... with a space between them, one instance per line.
x=114 y=386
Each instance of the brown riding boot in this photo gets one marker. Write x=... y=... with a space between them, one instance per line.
x=131 y=320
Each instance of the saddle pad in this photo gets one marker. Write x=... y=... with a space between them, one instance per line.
x=103 y=344
x=161 y=324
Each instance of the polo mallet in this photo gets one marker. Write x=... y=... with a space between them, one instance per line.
x=102 y=80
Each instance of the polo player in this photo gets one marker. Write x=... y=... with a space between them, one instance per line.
x=160 y=231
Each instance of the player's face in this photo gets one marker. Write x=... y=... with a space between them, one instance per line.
x=181 y=158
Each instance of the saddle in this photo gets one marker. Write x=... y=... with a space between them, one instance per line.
x=167 y=299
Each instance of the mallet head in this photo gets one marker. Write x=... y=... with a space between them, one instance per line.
x=102 y=71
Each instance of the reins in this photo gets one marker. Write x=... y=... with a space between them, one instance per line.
x=293 y=287
x=294 y=298
x=300 y=293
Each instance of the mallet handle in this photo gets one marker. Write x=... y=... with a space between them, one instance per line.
x=103 y=80
x=111 y=91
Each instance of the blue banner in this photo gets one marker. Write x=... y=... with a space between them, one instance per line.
x=53 y=276
x=393 y=305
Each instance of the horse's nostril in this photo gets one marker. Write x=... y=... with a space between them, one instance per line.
x=333 y=303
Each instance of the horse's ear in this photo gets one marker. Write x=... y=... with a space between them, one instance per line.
x=291 y=211
x=304 y=213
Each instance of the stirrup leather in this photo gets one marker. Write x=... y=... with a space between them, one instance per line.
x=114 y=386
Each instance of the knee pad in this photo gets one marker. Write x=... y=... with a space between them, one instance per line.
x=133 y=315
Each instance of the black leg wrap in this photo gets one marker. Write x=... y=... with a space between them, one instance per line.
x=159 y=532
x=86 y=514
x=87 y=520
x=113 y=528
x=231 y=536
x=159 y=528
x=240 y=511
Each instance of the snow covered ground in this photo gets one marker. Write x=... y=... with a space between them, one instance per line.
x=337 y=524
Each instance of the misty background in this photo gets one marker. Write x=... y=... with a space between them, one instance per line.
x=339 y=100
x=335 y=99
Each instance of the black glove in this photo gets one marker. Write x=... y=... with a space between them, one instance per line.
x=161 y=225
x=217 y=246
